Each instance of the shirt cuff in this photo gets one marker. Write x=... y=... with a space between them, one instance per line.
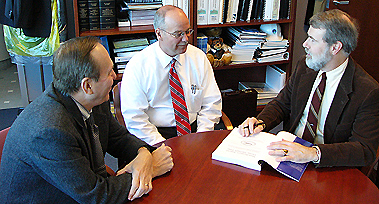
x=318 y=152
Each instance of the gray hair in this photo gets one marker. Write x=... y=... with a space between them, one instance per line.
x=72 y=62
x=339 y=26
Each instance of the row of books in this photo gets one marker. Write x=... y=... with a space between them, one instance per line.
x=226 y=11
x=268 y=90
x=96 y=14
x=125 y=49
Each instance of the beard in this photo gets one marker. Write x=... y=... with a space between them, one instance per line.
x=316 y=62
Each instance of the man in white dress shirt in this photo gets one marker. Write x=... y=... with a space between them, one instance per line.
x=146 y=102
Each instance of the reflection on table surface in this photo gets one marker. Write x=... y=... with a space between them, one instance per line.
x=196 y=178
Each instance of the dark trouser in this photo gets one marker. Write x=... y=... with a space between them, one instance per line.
x=169 y=132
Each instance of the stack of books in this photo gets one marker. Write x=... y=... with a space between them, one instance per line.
x=244 y=42
x=272 y=51
x=268 y=90
x=139 y=13
x=125 y=49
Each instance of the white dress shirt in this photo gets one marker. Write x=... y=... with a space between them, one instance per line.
x=333 y=79
x=145 y=96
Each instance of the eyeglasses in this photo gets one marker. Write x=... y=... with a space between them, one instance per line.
x=178 y=34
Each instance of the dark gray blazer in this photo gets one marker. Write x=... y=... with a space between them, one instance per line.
x=47 y=156
x=351 y=132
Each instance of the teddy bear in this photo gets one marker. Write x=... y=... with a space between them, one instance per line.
x=218 y=53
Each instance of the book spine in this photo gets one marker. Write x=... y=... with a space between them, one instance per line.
x=245 y=10
x=202 y=10
x=267 y=10
x=83 y=15
x=250 y=10
x=241 y=4
x=225 y=11
x=93 y=14
x=107 y=10
x=214 y=12
x=275 y=10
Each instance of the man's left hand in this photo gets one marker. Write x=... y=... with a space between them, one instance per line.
x=292 y=151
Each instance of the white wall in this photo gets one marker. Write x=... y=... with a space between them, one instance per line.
x=3 y=51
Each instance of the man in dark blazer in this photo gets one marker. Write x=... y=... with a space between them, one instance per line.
x=348 y=122
x=54 y=154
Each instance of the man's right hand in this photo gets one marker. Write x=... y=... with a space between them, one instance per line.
x=251 y=126
x=162 y=160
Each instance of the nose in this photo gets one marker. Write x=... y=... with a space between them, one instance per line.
x=185 y=38
x=305 y=43
x=113 y=74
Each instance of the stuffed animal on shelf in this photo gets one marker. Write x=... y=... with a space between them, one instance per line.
x=218 y=53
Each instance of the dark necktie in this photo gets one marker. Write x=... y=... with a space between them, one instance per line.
x=314 y=110
x=180 y=108
x=98 y=157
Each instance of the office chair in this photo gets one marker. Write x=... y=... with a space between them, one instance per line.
x=3 y=135
x=120 y=118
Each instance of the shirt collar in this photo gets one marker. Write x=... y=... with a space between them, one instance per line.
x=335 y=72
x=85 y=113
x=163 y=58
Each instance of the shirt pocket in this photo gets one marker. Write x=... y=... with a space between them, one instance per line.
x=196 y=99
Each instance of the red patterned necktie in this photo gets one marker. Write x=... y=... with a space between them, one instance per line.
x=180 y=108
x=314 y=110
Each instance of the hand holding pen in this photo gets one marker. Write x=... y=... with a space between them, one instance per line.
x=251 y=126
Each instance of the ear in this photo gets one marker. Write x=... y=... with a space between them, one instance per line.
x=336 y=47
x=158 y=34
x=86 y=85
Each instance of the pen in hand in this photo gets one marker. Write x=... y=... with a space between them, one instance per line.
x=255 y=125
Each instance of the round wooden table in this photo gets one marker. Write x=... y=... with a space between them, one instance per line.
x=196 y=178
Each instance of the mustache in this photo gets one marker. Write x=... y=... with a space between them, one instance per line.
x=183 y=43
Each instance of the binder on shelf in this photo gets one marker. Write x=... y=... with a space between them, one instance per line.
x=83 y=15
x=232 y=11
x=202 y=42
x=271 y=10
x=107 y=9
x=275 y=77
x=93 y=14
x=215 y=11
x=202 y=12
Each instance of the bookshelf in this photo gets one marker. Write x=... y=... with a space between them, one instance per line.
x=226 y=76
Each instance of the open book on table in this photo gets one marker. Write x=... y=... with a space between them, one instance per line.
x=249 y=151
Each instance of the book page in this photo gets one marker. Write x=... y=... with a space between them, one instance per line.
x=244 y=151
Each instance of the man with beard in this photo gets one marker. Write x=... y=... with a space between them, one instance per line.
x=329 y=100
x=168 y=89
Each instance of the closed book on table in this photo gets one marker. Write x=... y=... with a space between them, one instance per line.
x=107 y=11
